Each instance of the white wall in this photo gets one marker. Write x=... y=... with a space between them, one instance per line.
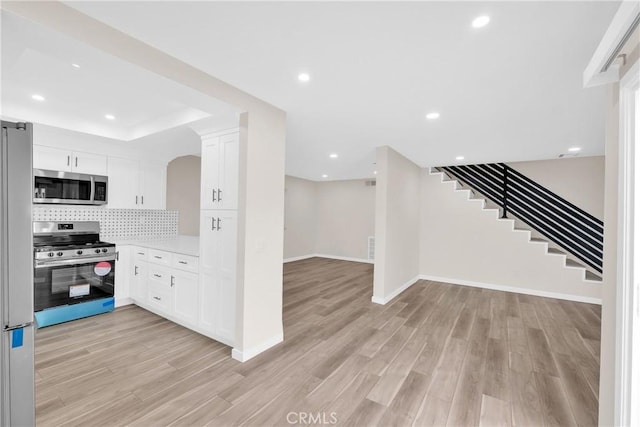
x=300 y=217
x=397 y=223
x=580 y=180
x=462 y=243
x=346 y=218
x=183 y=193
x=333 y=219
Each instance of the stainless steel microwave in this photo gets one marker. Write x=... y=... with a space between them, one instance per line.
x=69 y=188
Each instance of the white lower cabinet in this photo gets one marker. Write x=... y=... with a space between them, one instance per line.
x=185 y=296
x=167 y=284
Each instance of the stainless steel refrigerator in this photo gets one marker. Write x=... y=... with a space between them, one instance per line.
x=16 y=277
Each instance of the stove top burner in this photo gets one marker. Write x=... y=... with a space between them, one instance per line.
x=44 y=247
x=54 y=241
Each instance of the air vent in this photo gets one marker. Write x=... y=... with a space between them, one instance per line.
x=371 y=246
x=370 y=183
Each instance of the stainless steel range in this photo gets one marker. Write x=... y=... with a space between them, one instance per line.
x=74 y=271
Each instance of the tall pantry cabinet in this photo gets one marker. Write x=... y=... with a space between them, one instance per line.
x=219 y=235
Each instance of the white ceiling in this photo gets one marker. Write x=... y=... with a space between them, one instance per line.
x=507 y=92
x=36 y=60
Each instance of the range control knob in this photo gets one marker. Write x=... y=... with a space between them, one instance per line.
x=97 y=251
x=104 y=250
x=59 y=254
x=50 y=254
x=79 y=252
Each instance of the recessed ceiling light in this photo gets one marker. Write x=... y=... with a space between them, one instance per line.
x=480 y=21
x=433 y=115
x=109 y=117
x=75 y=65
x=325 y=176
x=460 y=158
x=333 y=155
x=574 y=149
x=375 y=172
x=304 y=77
x=37 y=97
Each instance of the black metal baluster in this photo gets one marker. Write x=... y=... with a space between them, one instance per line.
x=505 y=186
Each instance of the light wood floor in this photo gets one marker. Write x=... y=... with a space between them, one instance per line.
x=437 y=355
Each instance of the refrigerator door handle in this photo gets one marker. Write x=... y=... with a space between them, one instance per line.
x=8 y=328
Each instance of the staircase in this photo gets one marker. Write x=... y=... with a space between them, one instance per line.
x=585 y=255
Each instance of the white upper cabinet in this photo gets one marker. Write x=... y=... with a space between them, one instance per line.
x=152 y=185
x=68 y=161
x=219 y=188
x=136 y=185
x=122 y=190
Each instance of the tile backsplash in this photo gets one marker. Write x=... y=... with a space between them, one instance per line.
x=115 y=223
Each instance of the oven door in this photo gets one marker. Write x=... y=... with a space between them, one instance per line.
x=64 y=282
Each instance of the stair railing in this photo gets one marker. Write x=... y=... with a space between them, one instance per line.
x=573 y=229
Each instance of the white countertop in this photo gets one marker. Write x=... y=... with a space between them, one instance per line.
x=186 y=245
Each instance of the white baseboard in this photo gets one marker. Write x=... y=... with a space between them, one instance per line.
x=524 y=291
x=340 y=258
x=386 y=299
x=345 y=258
x=243 y=356
x=298 y=258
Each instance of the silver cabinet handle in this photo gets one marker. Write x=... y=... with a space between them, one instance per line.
x=173 y=281
x=213 y=224
x=157 y=257
x=219 y=195
x=157 y=298
x=157 y=275
x=140 y=253
x=117 y=255
x=142 y=200
x=136 y=200
x=213 y=194
x=218 y=227
x=76 y=161
x=135 y=270
x=182 y=262
x=68 y=160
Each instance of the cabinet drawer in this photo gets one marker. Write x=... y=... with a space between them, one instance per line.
x=159 y=257
x=185 y=262
x=159 y=277
x=140 y=253
x=159 y=299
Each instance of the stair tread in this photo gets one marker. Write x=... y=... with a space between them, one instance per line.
x=556 y=251
x=538 y=239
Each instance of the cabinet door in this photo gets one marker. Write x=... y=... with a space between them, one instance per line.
x=208 y=297
x=139 y=281
x=123 y=262
x=209 y=281
x=95 y=164
x=228 y=175
x=209 y=173
x=51 y=158
x=209 y=240
x=185 y=296
x=122 y=190
x=153 y=188
x=226 y=306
